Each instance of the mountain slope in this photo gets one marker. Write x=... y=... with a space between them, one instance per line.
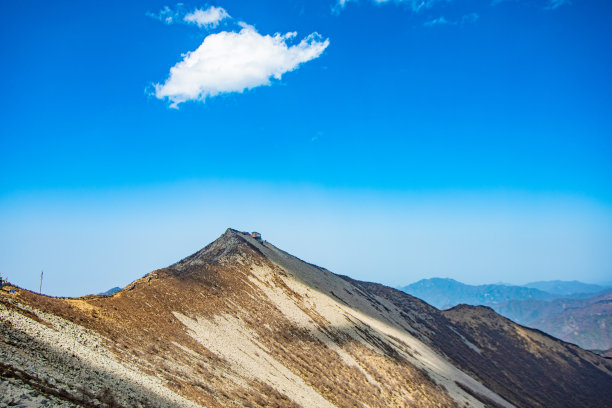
x=586 y=322
x=584 y=319
x=242 y=323
x=499 y=352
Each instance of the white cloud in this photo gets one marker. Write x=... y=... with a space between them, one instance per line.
x=438 y=21
x=340 y=4
x=165 y=15
x=545 y=4
x=553 y=4
x=209 y=18
x=418 y=5
x=465 y=19
x=470 y=18
x=415 y=5
x=233 y=62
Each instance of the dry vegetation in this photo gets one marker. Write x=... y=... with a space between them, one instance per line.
x=348 y=343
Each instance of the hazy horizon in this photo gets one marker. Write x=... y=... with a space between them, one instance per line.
x=90 y=242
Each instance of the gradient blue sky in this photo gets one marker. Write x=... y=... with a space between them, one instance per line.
x=463 y=138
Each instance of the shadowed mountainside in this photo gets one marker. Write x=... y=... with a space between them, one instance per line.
x=499 y=352
x=242 y=323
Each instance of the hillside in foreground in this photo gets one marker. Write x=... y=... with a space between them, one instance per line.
x=241 y=323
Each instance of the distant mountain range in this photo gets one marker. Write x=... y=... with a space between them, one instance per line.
x=445 y=293
x=111 y=291
x=574 y=311
x=586 y=322
x=566 y=288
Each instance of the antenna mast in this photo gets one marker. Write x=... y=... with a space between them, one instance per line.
x=40 y=289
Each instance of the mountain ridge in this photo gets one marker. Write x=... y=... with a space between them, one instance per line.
x=243 y=323
x=444 y=293
x=580 y=318
x=584 y=321
x=566 y=288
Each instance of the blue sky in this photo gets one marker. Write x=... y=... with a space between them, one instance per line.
x=389 y=141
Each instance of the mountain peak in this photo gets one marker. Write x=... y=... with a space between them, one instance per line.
x=229 y=242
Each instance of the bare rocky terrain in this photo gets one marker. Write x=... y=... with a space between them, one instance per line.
x=243 y=324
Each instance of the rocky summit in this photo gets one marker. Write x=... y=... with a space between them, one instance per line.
x=243 y=324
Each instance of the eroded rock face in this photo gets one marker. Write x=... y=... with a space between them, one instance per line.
x=242 y=323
